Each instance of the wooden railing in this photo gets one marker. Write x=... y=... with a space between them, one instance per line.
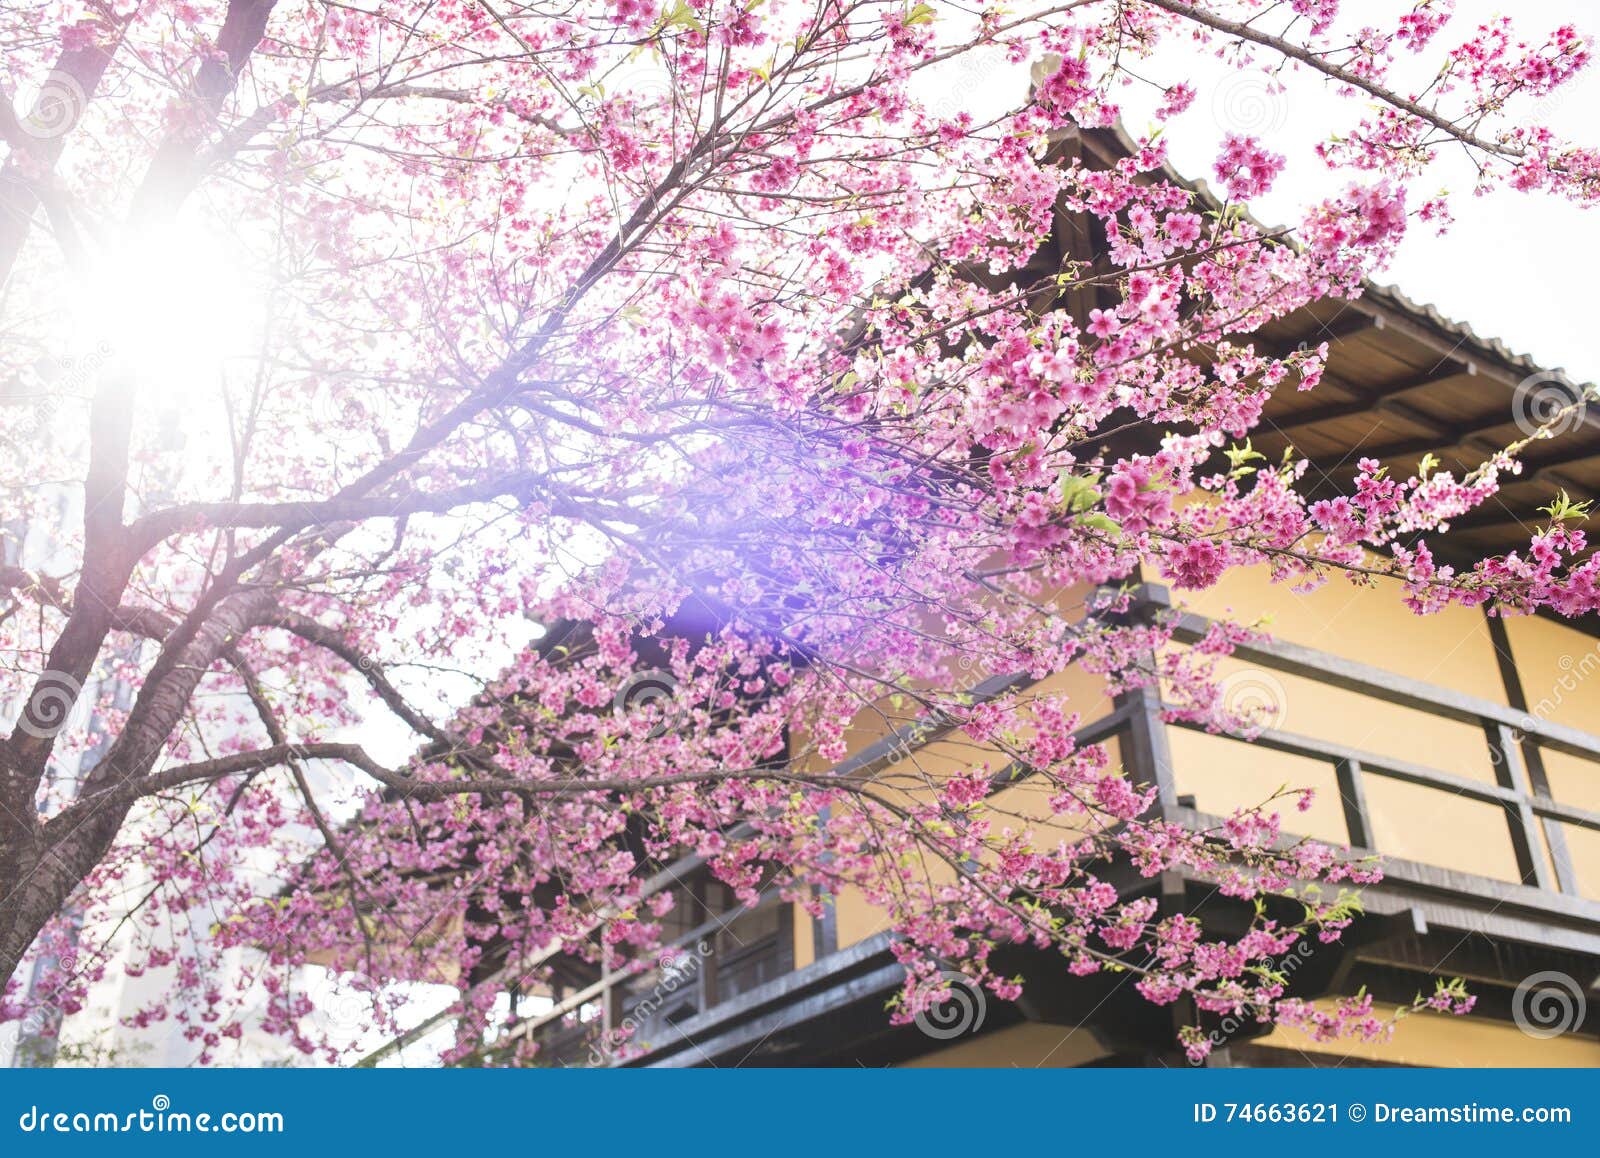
x=1513 y=739
x=621 y=1012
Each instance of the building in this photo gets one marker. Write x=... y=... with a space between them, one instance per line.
x=1464 y=749
x=105 y=1029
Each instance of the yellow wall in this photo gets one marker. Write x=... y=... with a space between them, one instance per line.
x=1560 y=671
x=1424 y=1039
x=1223 y=774
x=1453 y=649
x=856 y=920
x=1308 y=708
x=1371 y=626
x=1436 y=1039
x=1367 y=624
x=805 y=938
x=1574 y=780
x=1026 y=805
x=918 y=775
x=1435 y=826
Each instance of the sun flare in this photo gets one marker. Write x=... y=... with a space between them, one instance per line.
x=174 y=307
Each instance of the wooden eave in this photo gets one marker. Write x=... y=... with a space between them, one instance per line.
x=1402 y=381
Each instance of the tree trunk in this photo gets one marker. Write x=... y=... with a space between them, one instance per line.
x=39 y=876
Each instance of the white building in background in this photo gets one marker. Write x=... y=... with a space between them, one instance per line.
x=31 y=406
x=102 y=1033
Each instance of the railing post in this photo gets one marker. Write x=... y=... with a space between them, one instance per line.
x=610 y=1008
x=1353 y=796
x=1510 y=772
x=1149 y=753
x=706 y=976
x=1532 y=774
x=1539 y=785
x=825 y=929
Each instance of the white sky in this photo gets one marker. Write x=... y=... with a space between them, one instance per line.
x=1516 y=266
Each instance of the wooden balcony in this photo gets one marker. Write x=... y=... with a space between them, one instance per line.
x=741 y=1000
x=737 y=951
x=1545 y=903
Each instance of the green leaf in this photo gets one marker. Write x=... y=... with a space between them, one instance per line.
x=682 y=16
x=1078 y=492
x=1562 y=508
x=1239 y=457
x=921 y=14
x=1097 y=521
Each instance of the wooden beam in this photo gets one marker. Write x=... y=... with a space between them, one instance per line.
x=1345 y=325
x=1549 y=471
x=1561 y=921
x=1472 y=438
x=1531 y=762
x=1429 y=338
x=1382 y=399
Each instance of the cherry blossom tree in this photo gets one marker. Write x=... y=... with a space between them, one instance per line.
x=346 y=343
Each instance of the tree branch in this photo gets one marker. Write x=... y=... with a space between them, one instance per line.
x=330 y=640
x=195 y=517
x=1287 y=48
x=431 y=790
